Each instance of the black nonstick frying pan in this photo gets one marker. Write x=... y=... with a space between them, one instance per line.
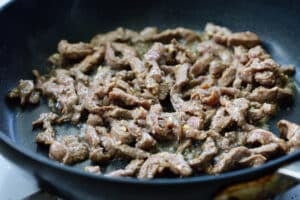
x=30 y=31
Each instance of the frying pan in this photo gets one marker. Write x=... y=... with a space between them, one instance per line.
x=30 y=31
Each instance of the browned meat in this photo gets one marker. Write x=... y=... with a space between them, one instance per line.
x=146 y=141
x=93 y=169
x=218 y=33
x=269 y=150
x=62 y=88
x=87 y=97
x=237 y=109
x=260 y=136
x=223 y=35
x=227 y=77
x=287 y=69
x=253 y=160
x=91 y=136
x=94 y=120
x=163 y=125
x=248 y=39
x=119 y=130
x=99 y=156
x=118 y=35
x=216 y=68
x=230 y=160
x=209 y=150
x=117 y=55
x=178 y=33
x=148 y=32
x=130 y=170
x=131 y=152
x=74 y=51
x=241 y=54
x=221 y=120
x=274 y=94
x=159 y=162
x=172 y=101
x=291 y=132
x=92 y=60
x=181 y=75
x=68 y=150
x=26 y=92
x=262 y=112
x=264 y=73
x=47 y=136
x=118 y=95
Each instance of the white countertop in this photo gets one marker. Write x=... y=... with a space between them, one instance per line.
x=15 y=183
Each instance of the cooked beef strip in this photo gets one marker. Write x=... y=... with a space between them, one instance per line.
x=291 y=132
x=178 y=33
x=229 y=160
x=253 y=160
x=209 y=150
x=119 y=96
x=270 y=150
x=92 y=60
x=130 y=170
x=68 y=150
x=142 y=96
x=47 y=136
x=74 y=51
x=26 y=92
x=159 y=162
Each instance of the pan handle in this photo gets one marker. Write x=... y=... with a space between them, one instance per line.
x=291 y=170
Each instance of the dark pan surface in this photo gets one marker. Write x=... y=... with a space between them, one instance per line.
x=31 y=29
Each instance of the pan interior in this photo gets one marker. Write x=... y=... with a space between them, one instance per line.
x=79 y=20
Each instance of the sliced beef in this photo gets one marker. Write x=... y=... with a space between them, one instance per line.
x=162 y=125
x=230 y=160
x=178 y=33
x=145 y=141
x=181 y=75
x=98 y=155
x=91 y=136
x=209 y=150
x=159 y=162
x=218 y=33
x=262 y=137
x=117 y=54
x=26 y=92
x=94 y=120
x=88 y=97
x=169 y=102
x=270 y=150
x=248 y=39
x=62 y=89
x=118 y=35
x=47 y=136
x=223 y=35
x=238 y=109
x=221 y=120
x=92 y=60
x=119 y=96
x=291 y=132
x=68 y=150
x=75 y=50
x=130 y=170
x=253 y=160
x=227 y=77
x=131 y=152
x=275 y=94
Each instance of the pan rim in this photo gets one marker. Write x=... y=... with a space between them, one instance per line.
x=231 y=175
